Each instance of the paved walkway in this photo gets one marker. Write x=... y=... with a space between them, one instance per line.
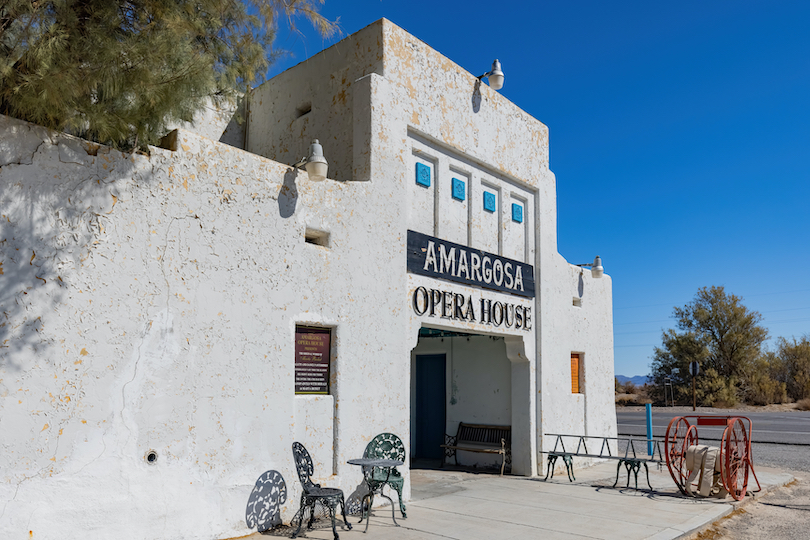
x=466 y=506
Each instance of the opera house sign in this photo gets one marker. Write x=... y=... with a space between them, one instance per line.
x=440 y=259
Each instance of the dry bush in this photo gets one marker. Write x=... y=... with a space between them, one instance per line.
x=803 y=405
x=623 y=401
x=723 y=404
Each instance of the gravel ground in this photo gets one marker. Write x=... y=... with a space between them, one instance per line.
x=782 y=514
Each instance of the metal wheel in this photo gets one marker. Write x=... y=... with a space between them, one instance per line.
x=735 y=458
x=679 y=437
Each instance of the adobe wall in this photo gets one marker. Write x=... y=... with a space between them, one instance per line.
x=381 y=101
x=150 y=303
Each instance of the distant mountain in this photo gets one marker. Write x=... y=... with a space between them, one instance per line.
x=638 y=380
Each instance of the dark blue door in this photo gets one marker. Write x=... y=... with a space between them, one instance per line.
x=429 y=409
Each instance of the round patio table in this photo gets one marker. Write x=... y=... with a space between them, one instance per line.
x=368 y=465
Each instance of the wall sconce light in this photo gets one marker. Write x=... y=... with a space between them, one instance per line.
x=596 y=267
x=315 y=163
x=495 y=76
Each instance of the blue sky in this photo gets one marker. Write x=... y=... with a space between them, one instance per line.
x=680 y=139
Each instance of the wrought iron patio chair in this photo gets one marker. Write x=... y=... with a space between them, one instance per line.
x=385 y=446
x=314 y=493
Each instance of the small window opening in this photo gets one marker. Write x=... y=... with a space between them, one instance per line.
x=151 y=457
x=316 y=237
x=576 y=373
x=303 y=109
x=577 y=301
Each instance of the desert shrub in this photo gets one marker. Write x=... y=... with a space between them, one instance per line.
x=715 y=390
x=722 y=404
x=803 y=405
x=794 y=363
x=623 y=401
x=762 y=389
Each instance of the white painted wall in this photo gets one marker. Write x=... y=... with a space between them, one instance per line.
x=150 y=302
x=566 y=328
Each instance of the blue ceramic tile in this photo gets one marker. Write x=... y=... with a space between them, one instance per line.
x=517 y=212
x=459 y=193
x=489 y=201
x=422 y=174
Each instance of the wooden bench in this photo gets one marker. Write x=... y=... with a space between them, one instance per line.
x=485 y=439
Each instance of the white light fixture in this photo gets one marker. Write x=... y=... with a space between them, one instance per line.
x=597 y=270
x=315 y=164
x=495 y=76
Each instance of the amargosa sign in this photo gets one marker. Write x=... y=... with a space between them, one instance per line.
x=440 y=259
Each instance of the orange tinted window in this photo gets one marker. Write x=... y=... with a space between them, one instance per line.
x=574 y=373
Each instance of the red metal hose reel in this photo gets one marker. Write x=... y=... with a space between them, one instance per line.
x=735 y=451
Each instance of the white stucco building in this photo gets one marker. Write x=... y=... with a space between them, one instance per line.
x=149 y=304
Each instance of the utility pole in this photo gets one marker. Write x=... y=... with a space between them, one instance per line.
x=694 y=399
x=668 y=386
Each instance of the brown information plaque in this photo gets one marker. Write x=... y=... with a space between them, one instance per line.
x=312 y=360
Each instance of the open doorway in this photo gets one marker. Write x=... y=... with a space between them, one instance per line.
x=457 y=378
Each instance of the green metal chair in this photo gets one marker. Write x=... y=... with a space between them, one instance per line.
x=386 y=446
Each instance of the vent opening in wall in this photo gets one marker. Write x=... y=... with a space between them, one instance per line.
x=151 y=457
x=303 y=109
x=577 y=301
x=316 y=237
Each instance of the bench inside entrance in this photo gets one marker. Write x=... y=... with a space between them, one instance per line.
x=480 y=438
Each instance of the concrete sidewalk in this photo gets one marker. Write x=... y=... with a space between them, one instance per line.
x=466 y=506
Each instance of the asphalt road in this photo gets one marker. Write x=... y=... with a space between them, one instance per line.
x=778 y=439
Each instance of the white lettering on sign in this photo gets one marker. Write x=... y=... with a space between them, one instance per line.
x=486 y=266
x=442 y=259
x=476 y=267
x=430 y=257
x=507 y=272
x=447 y=261
x=462 y=265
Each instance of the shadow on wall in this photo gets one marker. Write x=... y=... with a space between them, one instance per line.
x=263 y=510
x=234 y=132
x=55 y=197
x=476 y=96
x=288 y=194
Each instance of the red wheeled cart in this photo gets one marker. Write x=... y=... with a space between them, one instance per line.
x=735 y=450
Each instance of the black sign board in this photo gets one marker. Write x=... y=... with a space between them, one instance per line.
x=440 y=259
x=312 y=347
